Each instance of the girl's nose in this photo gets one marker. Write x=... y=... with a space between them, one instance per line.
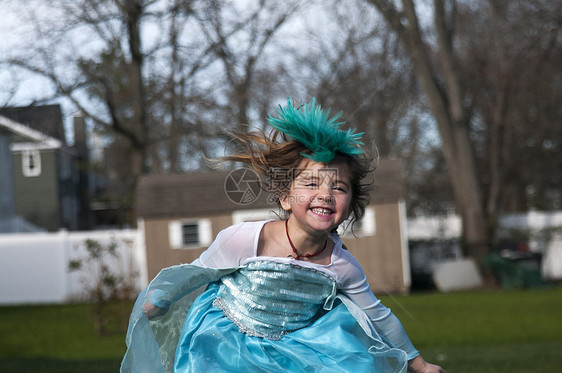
x=325 y=193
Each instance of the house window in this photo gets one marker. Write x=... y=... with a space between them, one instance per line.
x=190 y=234
x=31 y=163
x=367 y=226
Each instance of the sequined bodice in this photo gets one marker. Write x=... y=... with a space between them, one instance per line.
x=270 y=299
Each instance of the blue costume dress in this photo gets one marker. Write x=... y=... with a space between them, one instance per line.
x=266 y=315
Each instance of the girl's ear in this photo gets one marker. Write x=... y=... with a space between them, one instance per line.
x=284 y=201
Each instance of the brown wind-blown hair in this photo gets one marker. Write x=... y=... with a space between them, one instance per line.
x=267 y=154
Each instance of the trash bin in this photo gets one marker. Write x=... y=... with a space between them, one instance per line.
x=520 y=271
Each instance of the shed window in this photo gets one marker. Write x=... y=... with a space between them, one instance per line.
x=190 y=233
x=367 y=226
x=186 y=234
x=31 y=163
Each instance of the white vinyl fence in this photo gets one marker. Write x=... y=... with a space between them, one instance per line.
x=34 y=267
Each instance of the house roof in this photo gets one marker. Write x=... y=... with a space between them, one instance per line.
x=209 y=193
x=46 y=119
x=27 y=137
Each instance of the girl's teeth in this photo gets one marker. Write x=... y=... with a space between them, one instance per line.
x=321 y=211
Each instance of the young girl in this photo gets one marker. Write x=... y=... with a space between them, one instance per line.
x=283 y=295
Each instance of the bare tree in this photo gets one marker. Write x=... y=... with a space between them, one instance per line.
x=145 y=80
x=477 y=65
x=117 y=24
x=115 y=75
x=508 y=58
x=239 y=37
x=448 y=101
x=354 y=65
x=165 y=79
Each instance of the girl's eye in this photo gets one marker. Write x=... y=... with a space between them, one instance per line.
x=339 y=189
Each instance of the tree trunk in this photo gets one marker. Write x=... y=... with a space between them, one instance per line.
x=134 y=11
x=446 y=102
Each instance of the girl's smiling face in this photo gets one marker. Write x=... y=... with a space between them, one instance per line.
x=320 y=196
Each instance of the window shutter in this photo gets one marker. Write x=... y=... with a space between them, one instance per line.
x=205 y=232
x=369 y=223
x=175 y=234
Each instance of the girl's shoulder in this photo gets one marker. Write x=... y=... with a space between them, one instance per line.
x=344 y=263
x=340 y=250
x=245 y=227
x=232 y=245
x=245 y=233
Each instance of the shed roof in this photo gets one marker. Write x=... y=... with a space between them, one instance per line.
x=209 y=193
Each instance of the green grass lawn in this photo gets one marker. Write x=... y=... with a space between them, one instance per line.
x=56 y=339
x=483 y=331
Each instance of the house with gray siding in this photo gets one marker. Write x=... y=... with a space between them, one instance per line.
x=43 y=176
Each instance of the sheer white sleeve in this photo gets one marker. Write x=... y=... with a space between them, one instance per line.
x=355 y=287
x=231 y=246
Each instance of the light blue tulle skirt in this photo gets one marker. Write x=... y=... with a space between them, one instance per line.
x=210 y=342
x=195 y=335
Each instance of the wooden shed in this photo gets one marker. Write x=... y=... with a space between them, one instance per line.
x=181 y=214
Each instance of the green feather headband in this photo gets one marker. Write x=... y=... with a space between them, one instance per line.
x=313 y=127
